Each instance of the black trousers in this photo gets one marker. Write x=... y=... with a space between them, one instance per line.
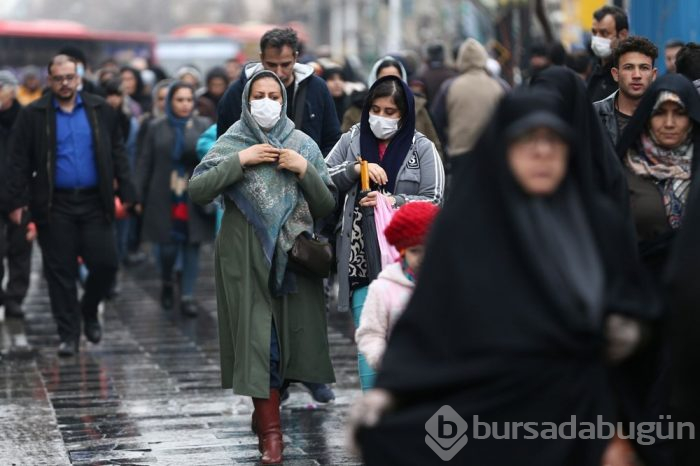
x=18 y=251
x=77 y=227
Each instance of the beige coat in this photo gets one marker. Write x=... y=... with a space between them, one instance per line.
x=470 y=100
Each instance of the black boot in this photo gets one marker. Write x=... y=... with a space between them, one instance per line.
x=188 y=307
x=167 y=296
x=13 y=310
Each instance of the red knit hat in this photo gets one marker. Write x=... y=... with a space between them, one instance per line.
x=410 y=224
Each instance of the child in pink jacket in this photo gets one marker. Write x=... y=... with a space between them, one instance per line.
x=388 y=295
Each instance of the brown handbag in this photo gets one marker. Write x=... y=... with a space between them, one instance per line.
x=311 y=255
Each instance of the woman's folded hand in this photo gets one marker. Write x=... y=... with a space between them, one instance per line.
x=293 y=161
x=257 y=154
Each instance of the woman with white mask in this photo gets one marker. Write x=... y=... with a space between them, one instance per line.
x=404 y=166
x=273 y=183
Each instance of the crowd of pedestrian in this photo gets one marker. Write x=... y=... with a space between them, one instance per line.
x=521 y=255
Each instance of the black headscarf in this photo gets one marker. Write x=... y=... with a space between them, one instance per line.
x=214 y=73
x=481 y=235
x=399 y=145
x=593 y=142
x=679 y=85
x=654 y=250
x=141 y=98
x=496 y=327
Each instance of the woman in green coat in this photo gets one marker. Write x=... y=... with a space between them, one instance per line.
x=273 y=183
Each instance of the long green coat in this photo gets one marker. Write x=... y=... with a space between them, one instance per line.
x=246 y=308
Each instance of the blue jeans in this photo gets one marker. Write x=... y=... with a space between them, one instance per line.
x=122 y=228
x=367 y=374
x=275 y=378
x=168 y=255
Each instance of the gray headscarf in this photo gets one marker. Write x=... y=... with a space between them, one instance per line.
x=162 y=84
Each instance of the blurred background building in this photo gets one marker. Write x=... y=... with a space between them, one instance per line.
x=361 y=30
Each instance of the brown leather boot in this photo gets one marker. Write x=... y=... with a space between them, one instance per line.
x=254 y=428
x=267 y=424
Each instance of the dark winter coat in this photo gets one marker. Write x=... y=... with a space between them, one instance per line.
x=433 y=77
x=319 y=119
x=153 y=172
x=601 y=83
x=33 y=156
x=7 y=119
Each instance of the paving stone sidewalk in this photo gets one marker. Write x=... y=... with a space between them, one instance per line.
x=149 y=393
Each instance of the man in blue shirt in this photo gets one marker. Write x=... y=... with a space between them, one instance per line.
x=67 y=147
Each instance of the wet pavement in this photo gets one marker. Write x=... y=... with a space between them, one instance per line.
x=149 y=393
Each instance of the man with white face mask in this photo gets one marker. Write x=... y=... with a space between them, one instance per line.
x=610 y=25
x=310 y=105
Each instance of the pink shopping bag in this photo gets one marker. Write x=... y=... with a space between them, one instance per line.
x=383 y=212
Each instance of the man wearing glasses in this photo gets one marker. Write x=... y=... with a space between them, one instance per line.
x=67 y=147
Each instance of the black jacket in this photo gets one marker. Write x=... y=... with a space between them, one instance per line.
x=320 y=121
x=33 y=156
x=7 y=119
x=601 y=83
x=606 y=112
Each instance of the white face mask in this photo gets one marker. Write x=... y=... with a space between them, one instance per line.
x=601 y=47
x=382 y=127
x=266 y=112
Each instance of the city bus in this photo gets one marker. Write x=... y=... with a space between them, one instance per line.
x=210 y=44
x=25 y=43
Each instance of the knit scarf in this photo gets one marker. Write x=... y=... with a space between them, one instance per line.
x=271 y=200
x=670 y=170
x=179 y=212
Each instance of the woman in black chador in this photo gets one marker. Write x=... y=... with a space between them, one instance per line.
x=594 y=144
x=529 y=276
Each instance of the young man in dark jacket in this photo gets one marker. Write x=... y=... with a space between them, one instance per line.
x=633 y=71
x=311 y=106
x=67 y=148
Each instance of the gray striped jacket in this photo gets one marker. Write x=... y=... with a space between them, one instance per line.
x=421 y=178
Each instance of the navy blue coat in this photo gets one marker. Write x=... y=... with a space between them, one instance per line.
x=320 y=119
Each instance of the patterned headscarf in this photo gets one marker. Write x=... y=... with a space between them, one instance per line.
x=270 y=199
x=668 y=167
